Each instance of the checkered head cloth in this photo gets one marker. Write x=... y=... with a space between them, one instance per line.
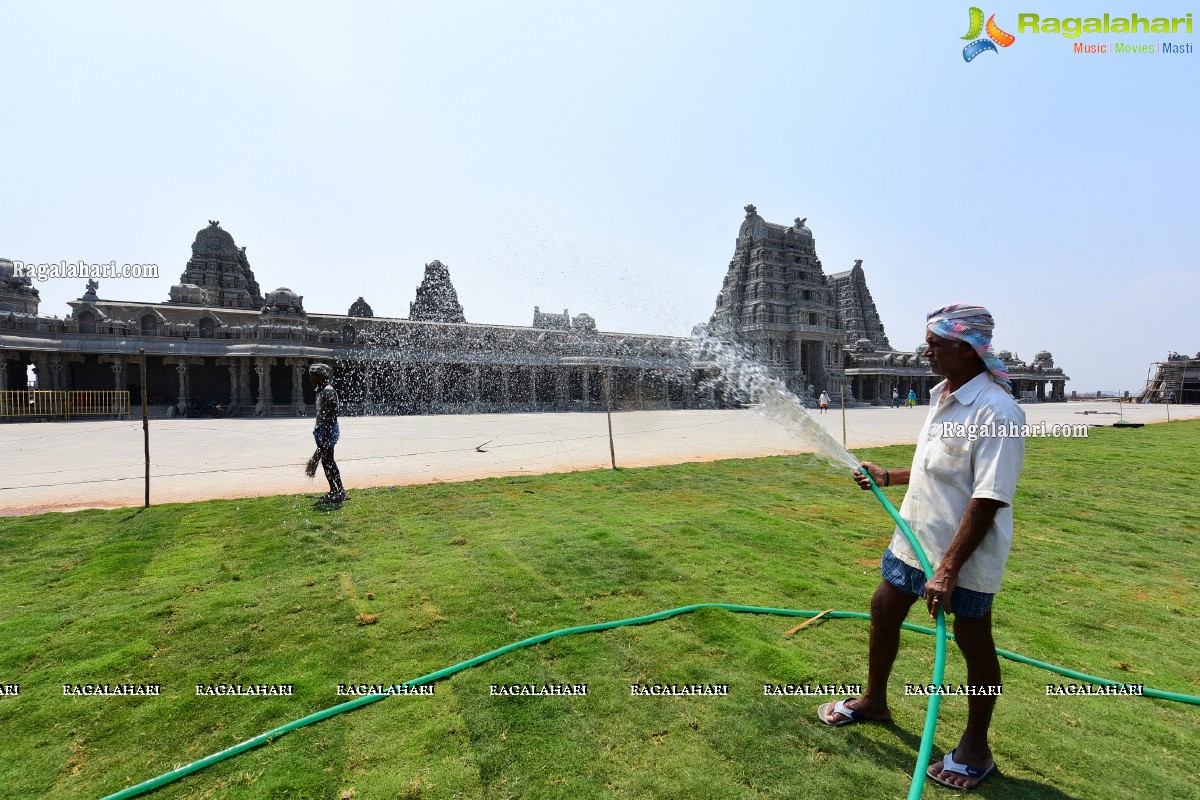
x=973 y=325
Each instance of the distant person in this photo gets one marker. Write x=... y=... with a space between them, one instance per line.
x=895 y=398
x=823 y=401
x=326 y=433
x=912 y=398
x=959 y=506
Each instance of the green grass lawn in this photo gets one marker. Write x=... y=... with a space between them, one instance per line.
x=400 y=582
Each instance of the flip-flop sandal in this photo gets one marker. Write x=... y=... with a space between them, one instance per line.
x=950 y=765
x=840 y=707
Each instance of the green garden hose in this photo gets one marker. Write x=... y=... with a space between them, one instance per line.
x=275 y=733
x=939 y=650
x=930 y=715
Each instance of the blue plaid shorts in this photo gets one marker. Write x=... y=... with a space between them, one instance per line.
x=332 y=438
x=911 y=581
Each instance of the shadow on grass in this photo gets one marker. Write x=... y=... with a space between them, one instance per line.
x=1001 y=787
x=895 y=748
x=327 y=506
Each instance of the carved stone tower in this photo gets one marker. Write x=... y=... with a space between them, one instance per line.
x=436 y=299
x=776 y=300
x=856 y=310
x=16 y=292
x=218 y=273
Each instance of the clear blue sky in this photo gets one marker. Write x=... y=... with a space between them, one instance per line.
x=597 y=157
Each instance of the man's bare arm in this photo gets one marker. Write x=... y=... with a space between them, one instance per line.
x=975 y=524
x=882 y=477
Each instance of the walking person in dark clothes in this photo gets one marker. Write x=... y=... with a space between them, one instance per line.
x=326 y=434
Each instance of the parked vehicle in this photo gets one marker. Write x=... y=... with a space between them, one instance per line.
x=210 y=409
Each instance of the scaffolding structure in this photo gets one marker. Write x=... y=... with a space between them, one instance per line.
x=1176 y=380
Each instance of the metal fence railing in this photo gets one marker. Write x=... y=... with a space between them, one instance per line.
x=98 y=403
x=57 y=404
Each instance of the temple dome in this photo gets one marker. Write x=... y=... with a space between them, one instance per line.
x=284 y=299
x=214 y=240
x=188 y=293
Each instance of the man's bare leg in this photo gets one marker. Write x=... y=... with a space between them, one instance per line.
x=974 y=638
x=889 y=607
x=332 y=474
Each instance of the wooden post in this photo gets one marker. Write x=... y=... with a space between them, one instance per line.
x=145 y=422
x=612 y=451
x=844 y=416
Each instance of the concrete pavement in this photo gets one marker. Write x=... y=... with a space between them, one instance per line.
x=61 y=466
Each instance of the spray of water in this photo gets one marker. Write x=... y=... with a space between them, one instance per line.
x=749 y=381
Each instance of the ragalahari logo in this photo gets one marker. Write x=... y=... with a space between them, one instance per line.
x=994 y=35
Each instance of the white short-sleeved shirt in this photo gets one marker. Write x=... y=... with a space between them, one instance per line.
x=950 y=470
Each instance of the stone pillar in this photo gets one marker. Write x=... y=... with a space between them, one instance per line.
x=400 y=387
x=185 y=387
x=369 y=386
x=505 y=399
x=56 y=371
x=299 y=367
x=475 y=381
x=640 y=384
x=3 y=372
x=587 y=393
x=533 y=389
x=181 y=365
x=118 y=370
x=262 y=366
x=435 y=382
x=244 y=393
x=560 y=386
x=235 y=387
x=41 y=370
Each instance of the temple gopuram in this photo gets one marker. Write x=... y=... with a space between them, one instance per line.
x=822 y=332
x=218 y=339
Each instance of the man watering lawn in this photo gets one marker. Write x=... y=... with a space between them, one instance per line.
x=959 y=506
